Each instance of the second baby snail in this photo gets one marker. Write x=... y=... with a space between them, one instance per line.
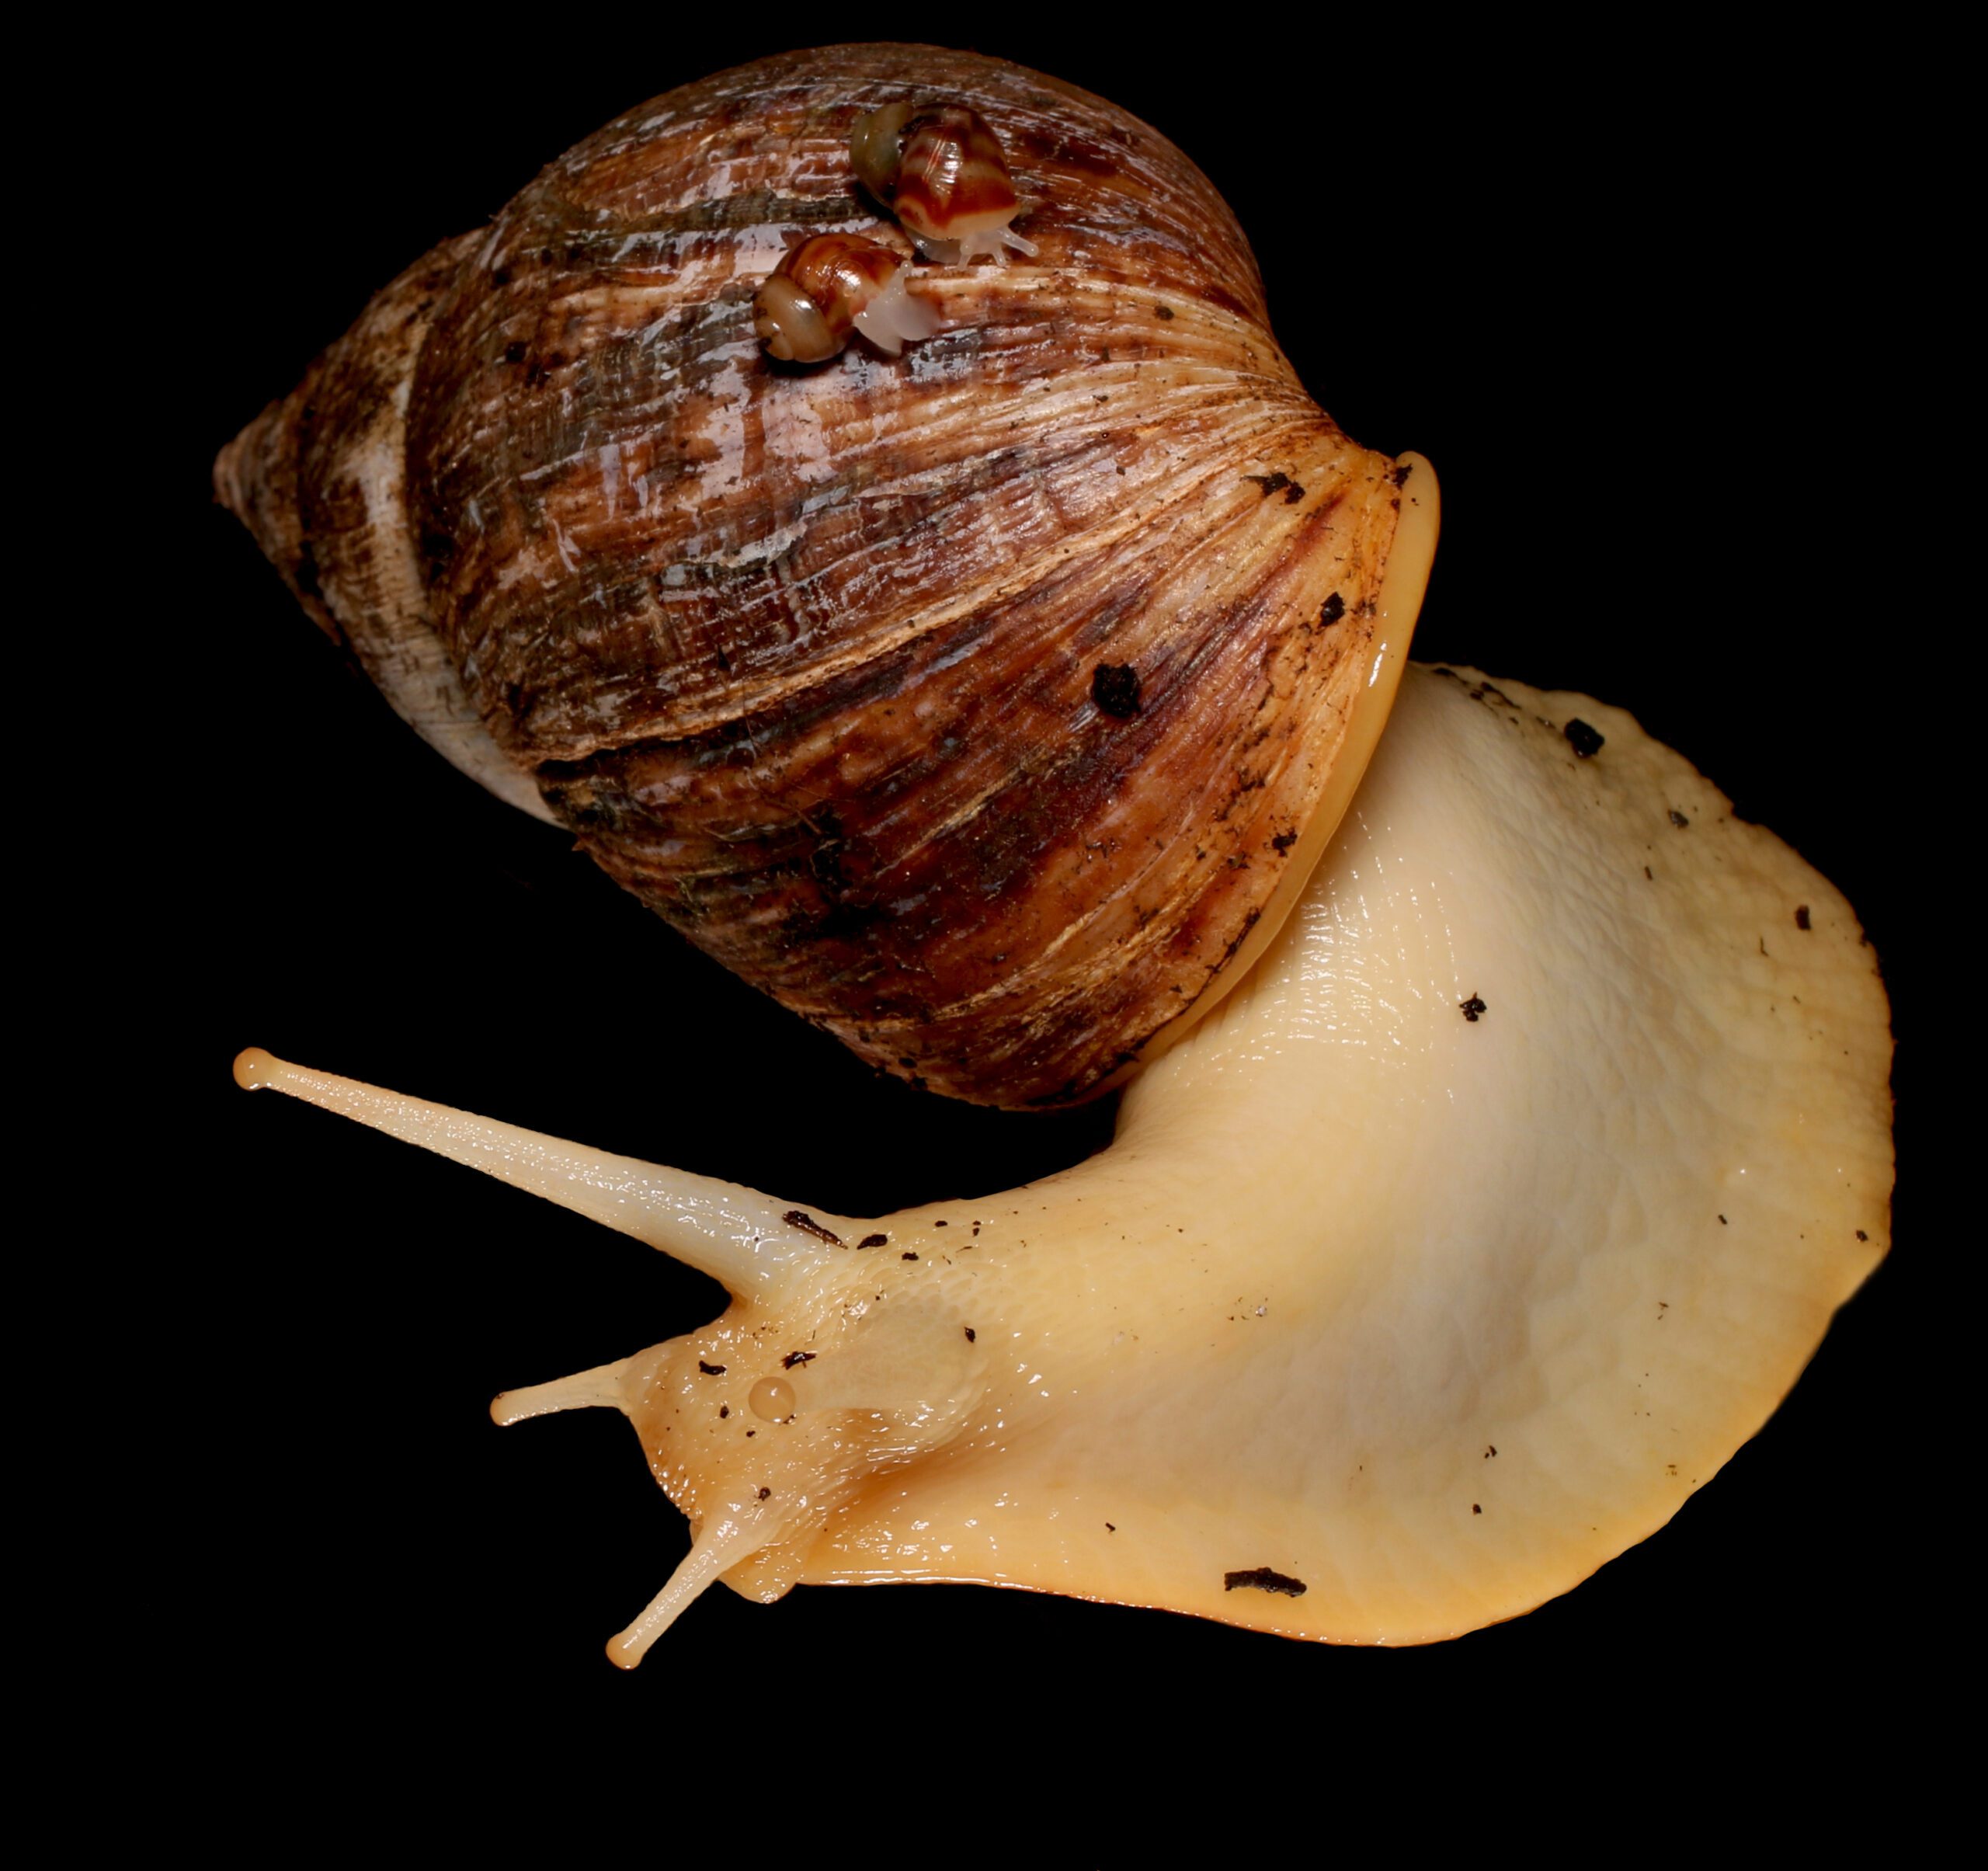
x=940 y=169
x=1240 y=442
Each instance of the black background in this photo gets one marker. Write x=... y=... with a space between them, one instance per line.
x=1623 y=298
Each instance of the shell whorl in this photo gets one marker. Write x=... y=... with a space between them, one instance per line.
x=829 y=666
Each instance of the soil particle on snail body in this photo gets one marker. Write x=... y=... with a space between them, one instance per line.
x=1261 y=1578
x=800 y=1219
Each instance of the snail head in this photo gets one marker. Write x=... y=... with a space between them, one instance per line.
x=840 y=1360
x=764 y=1423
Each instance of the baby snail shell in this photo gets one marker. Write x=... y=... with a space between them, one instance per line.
x=940 y=169
x=829 y=288
x=1493 y=1209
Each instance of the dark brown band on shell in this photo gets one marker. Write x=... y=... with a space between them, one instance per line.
x=807 y=659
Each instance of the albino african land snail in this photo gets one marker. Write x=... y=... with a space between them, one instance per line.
x=1142 y=1443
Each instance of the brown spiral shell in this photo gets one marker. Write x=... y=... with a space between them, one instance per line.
x=972 y=703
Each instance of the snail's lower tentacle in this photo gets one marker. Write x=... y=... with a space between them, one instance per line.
x=717 y=1550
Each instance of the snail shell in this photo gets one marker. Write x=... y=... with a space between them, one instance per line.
x=987 y=707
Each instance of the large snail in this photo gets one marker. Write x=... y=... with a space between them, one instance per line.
x=1432 y=700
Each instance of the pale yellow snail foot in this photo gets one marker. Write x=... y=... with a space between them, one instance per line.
x=1484 y=1221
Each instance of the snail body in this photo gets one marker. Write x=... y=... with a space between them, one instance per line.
x=1082 y=616
x=1325 y=1343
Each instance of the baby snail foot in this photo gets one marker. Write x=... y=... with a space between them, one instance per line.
x=837 y=1362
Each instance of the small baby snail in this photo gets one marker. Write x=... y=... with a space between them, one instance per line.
x=830 y=286
x=941 y=171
